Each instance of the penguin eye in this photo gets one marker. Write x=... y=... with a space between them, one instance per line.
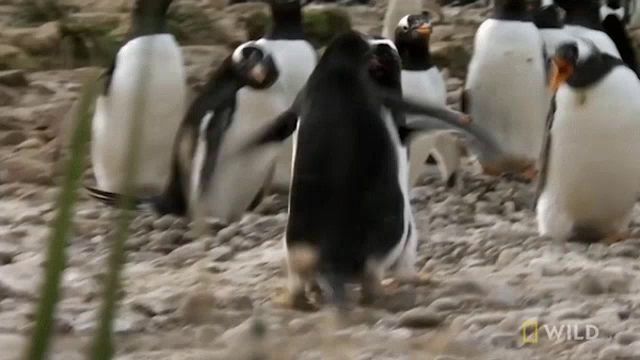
x=405 y=27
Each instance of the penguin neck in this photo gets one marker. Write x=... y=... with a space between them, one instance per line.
x=227 y=76
x=588 y=17
x=287 y=24
x=511 y=13
x=148 y=25
x=415 y=57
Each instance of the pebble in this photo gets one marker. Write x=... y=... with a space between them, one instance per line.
x=12 y=138
x=221 y=253
x=227 y=233
x=445 y=304
x=420 y=318
x=626 y=338
x=188 y=253
x=164 y=223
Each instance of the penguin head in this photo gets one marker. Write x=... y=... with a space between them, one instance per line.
x=564 y=64
x=414 y=29
x=151 y=8
x=549 y=17
x=254 y=65
x=281 y=8
x=384 y=64
x=149 y=16
x=350 y=50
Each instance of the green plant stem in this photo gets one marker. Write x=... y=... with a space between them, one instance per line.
x=103 y=348
x=62 y=226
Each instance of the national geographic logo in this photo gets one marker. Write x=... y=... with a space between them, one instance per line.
x=557 y=333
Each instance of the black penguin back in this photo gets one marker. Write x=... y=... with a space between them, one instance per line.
x=548 y=17
x=345 y=197
x=617 y=31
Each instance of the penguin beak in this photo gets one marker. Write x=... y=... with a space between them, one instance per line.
x=424 y=29
x=562 y=71
x=258 y=73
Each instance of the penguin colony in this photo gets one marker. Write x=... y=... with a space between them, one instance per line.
x=546 y=90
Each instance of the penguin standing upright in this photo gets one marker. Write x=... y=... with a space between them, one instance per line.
x=422 y=82
x=505 y=87
x=349 y=210
x=590 y=173
x=613 y=17
x=296 y=59
x=152 y=48
x=582 y=20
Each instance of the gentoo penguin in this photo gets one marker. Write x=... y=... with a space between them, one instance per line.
x=422 y=82
x=397 y=9
x=152 y=48
x=613 y=17
x=505 y=87
x=588 y=195
x=582 y=20
x=349 y=211
x=208 y=178
x=296 y=58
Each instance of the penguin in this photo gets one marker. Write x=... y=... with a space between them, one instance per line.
x=152 y=48
x=349 y=212
x=422 y=82
x=505 y=88
x=296 y=59
x=208 y=178
x=549 y=20
x=582 y=20
x=613 y=17
x=397 y=9
x=588 y=196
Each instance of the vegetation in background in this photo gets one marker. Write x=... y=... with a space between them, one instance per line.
x=320 y=25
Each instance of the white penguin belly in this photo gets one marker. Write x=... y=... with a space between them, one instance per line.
x=163 y=105
x=238 y=178
x=506 y=85
x=593 y=172
x=429 y=88
x=602 y=41
x=403 y=255
x=296 y=60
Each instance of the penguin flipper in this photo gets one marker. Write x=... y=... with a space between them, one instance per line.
x=544 y=154
x=107 y=76
x=283 y=127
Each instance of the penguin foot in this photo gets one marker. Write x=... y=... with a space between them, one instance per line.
x=295 y=300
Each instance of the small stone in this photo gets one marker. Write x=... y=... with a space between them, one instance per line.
x=188 y=253
x=420 y=318
x=32 y=143
x=589 y=284
x=227 y=233
x=612 y=352
x=13 y=78
x=197 y=308
x=164 y=223
x=504 y=340
x=221 y=253
x=13 y=138
x=11 y=345
x=446 y=304
x=237 y=243
x=506 y=257
x=624 y=250
x=626 y=338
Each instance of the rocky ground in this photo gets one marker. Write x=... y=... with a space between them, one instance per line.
x=216 y=297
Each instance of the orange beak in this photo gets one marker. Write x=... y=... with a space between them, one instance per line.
x=424 y=29
x=562 y=71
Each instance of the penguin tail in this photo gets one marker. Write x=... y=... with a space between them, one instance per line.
x=113 y=199
x=585 y=234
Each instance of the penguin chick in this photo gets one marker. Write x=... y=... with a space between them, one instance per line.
x=588 y=195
